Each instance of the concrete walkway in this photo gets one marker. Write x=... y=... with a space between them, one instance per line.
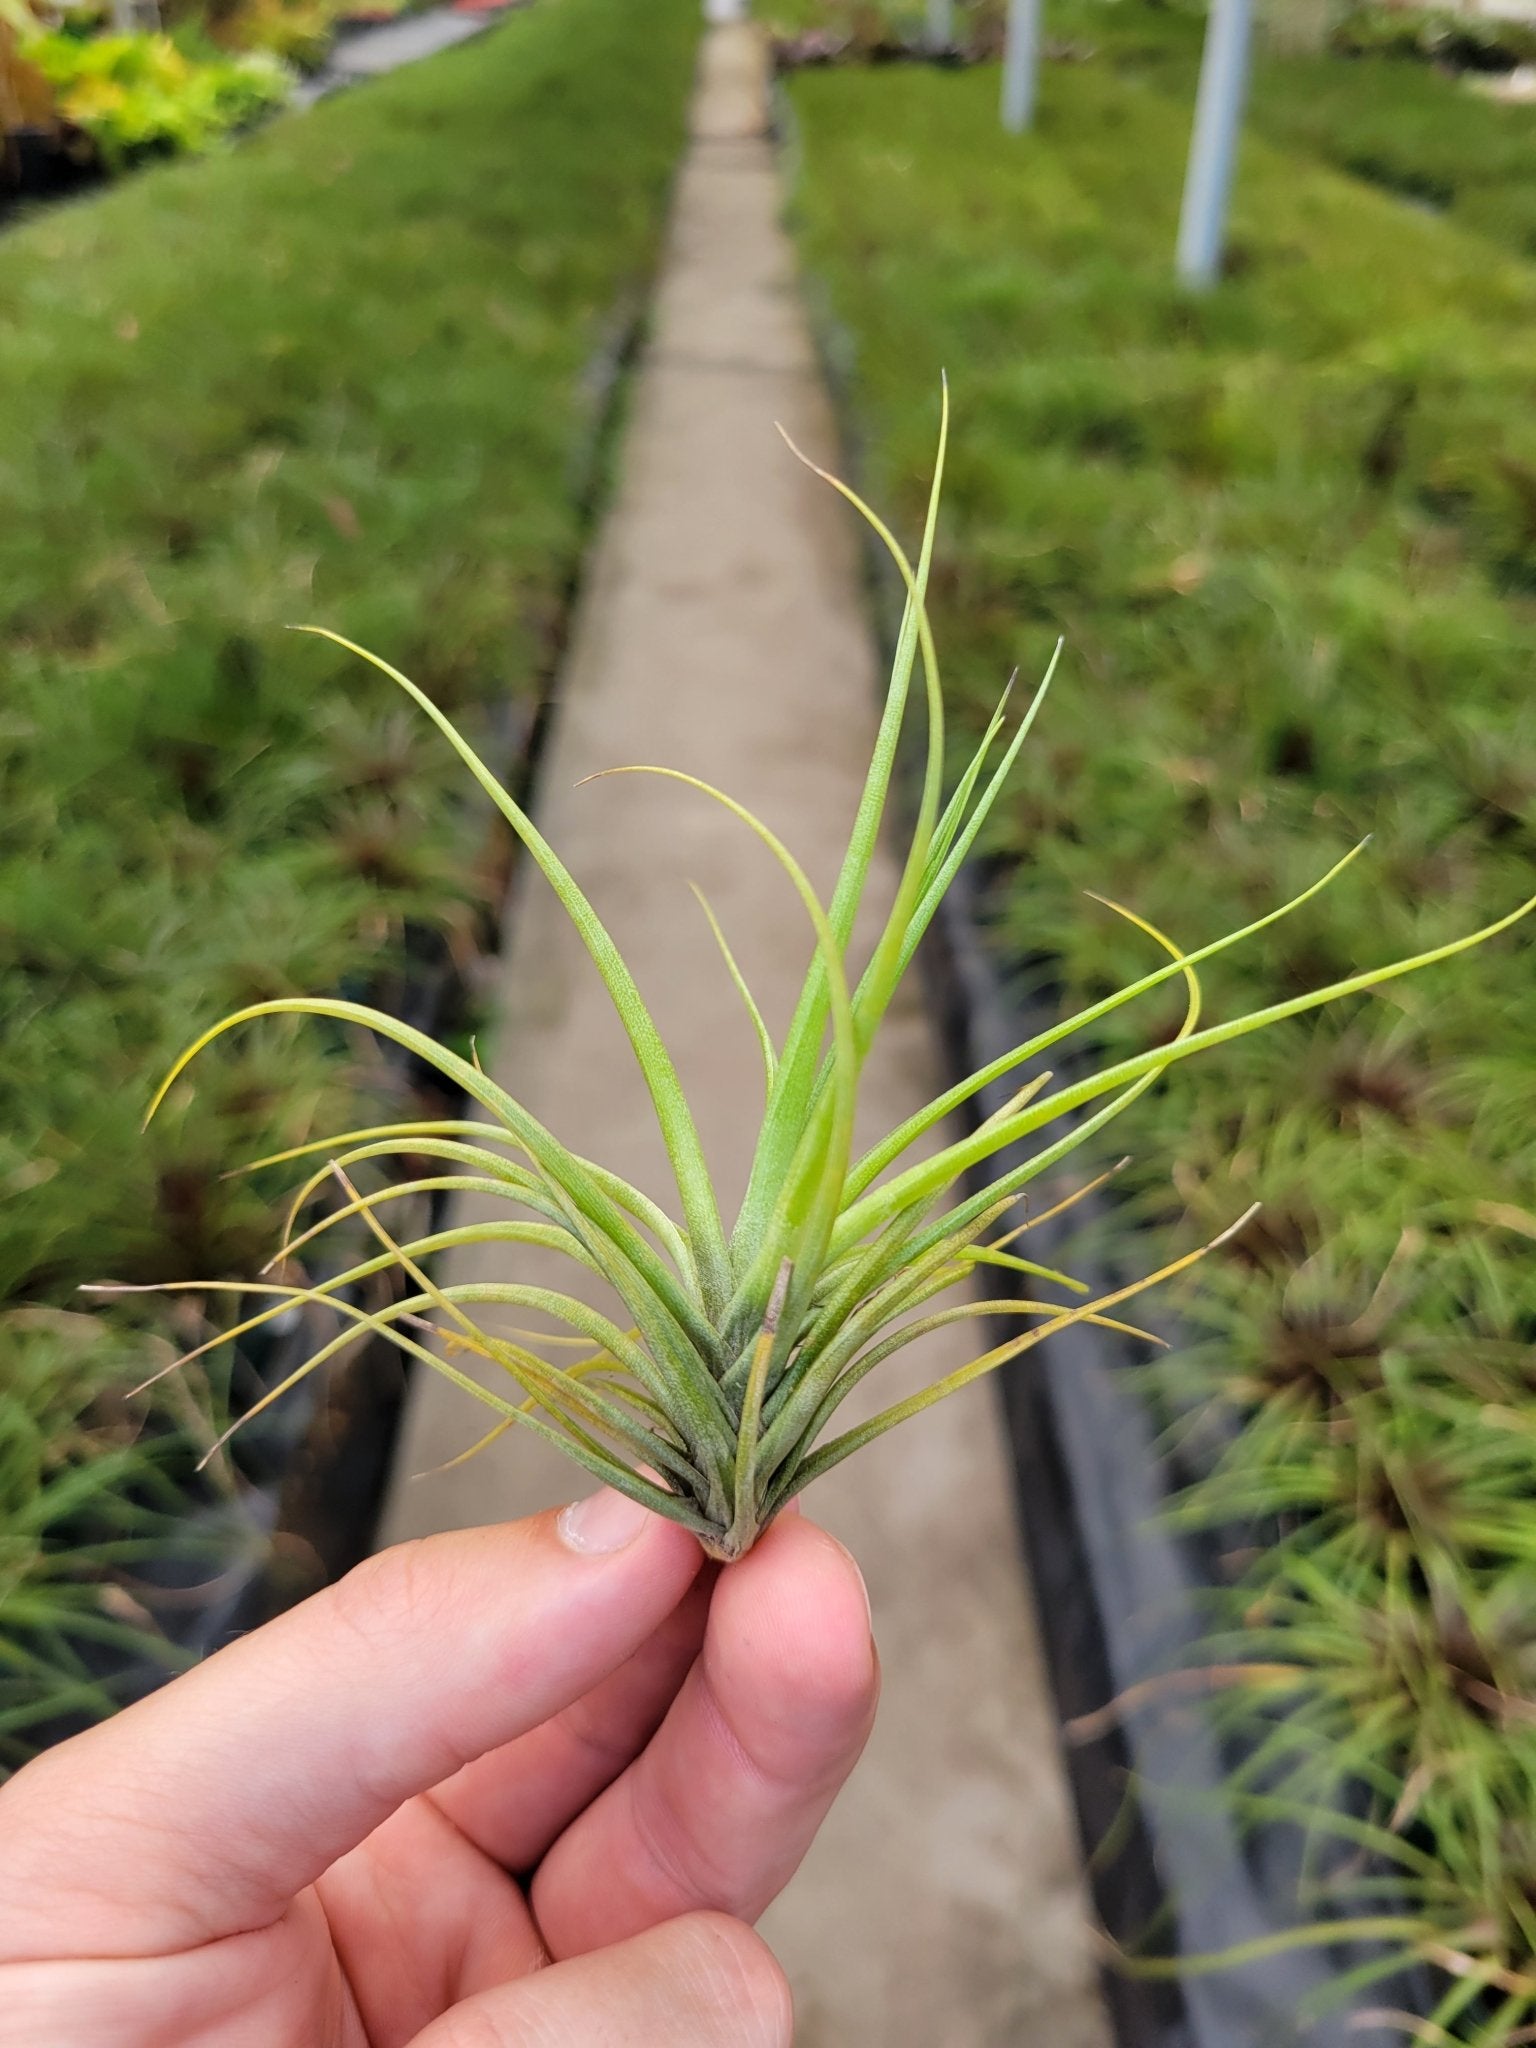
x=722 y=632
x=371 y=52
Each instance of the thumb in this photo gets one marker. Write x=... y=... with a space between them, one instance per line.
x=203 y=1810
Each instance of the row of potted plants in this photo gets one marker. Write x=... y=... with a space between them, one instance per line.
x=1414 y=128
x=96 y=89
x=1455 y=37
x=1451 y=37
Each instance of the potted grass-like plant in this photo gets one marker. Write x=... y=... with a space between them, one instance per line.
x=709 y=1387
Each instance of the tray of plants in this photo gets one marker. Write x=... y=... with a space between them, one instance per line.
x=1203 y=1905
x=1233 y=1885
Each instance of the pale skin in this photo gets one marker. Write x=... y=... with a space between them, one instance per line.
x=518 y=1787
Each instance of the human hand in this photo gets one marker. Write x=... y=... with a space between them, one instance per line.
x=315 y=1840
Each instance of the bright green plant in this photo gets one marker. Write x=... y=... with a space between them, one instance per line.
x=710 y=1395
x=139 y=92
x=297 y=32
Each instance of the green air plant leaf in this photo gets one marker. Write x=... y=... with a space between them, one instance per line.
x=708 y=1391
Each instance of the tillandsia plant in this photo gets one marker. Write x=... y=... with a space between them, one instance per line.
x=709 y=1394
x=1372 y=1668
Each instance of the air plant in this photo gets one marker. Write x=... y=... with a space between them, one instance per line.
x=1396 y=1730
x=710 y=1392
x=1420 y=1863
x=1373 y=1667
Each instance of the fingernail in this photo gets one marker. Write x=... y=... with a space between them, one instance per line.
x=602 y=1523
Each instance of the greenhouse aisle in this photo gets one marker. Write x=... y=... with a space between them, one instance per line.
x=722 y=631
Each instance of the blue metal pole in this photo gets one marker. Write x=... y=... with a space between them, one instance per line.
x=1021 y=64
x=1213 y=146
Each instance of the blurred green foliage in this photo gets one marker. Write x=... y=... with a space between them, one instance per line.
x=1450 y=36
x=89 y=1500
x=138 y=95
x=1415 y=129
x=343 y=375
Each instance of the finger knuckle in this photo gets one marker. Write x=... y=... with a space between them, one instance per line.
x=738 y=1980
x=379 y=1599
x=469 y=2026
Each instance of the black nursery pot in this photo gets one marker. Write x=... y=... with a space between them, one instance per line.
x=1121 y=1599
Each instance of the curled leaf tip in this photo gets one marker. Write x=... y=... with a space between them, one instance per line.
x=1232 y=1229
x=800 y=455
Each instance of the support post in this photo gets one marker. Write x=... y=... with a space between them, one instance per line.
x=940 y=33
x=1021 y=64
x=1213 y=146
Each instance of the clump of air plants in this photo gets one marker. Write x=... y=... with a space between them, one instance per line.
x=1373 y=1667
x=1387 y=1715
x=710 y=1391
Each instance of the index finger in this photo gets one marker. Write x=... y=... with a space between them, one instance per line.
x=204 y=1809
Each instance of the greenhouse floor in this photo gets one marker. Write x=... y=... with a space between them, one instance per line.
x=371 y=52
x=722 y=631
